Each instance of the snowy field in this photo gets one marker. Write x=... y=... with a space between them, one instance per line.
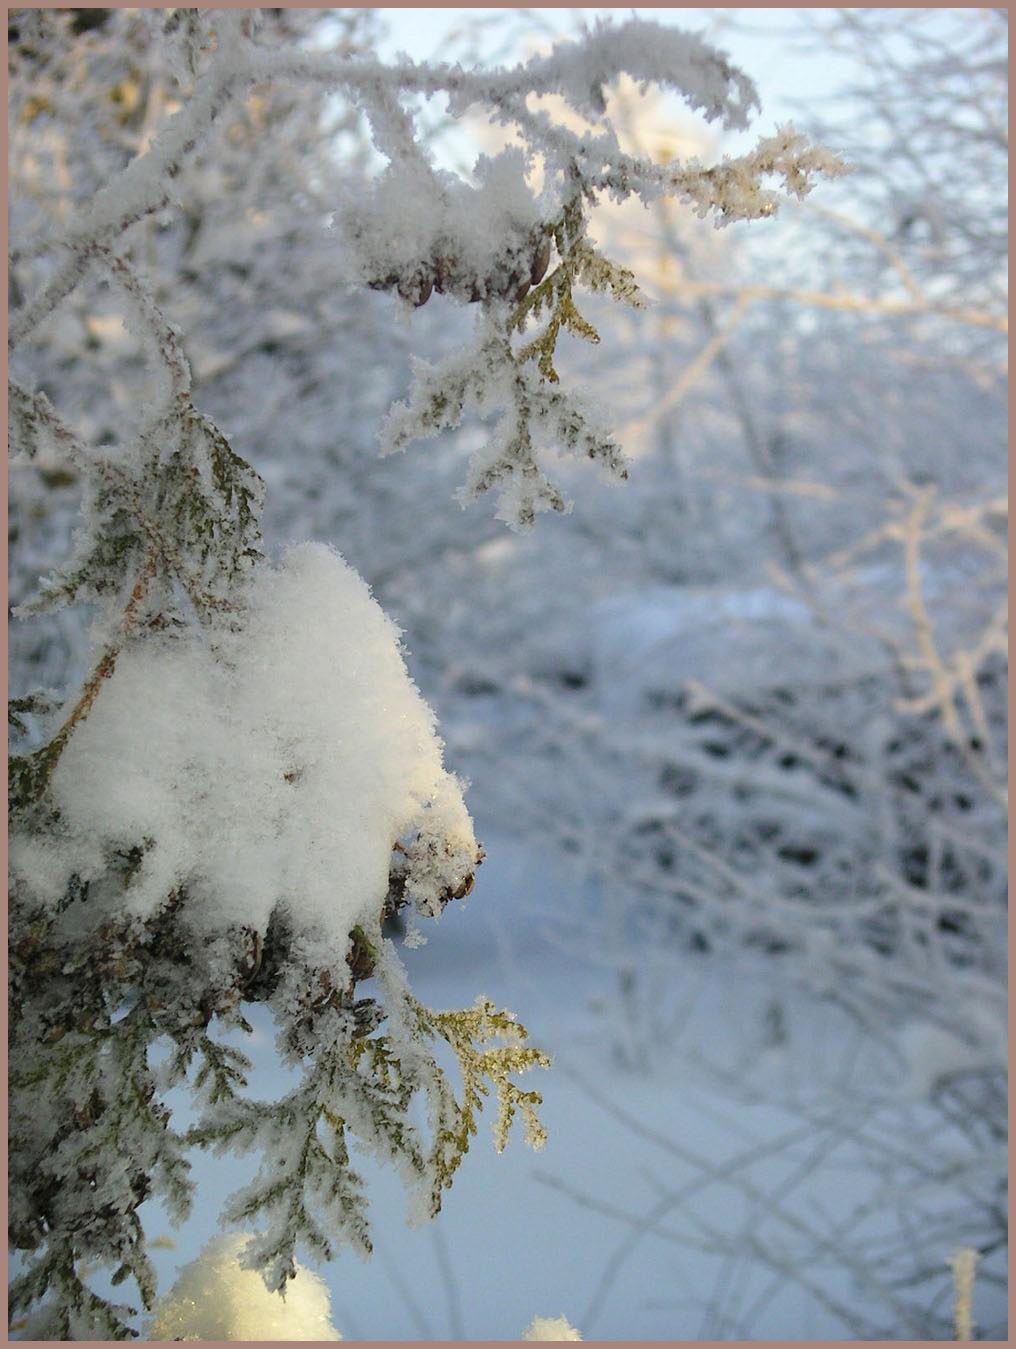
x=745 y=1185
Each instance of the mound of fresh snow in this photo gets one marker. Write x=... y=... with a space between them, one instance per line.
x=215 y=1298
x=551 y=1328
x=275 y=759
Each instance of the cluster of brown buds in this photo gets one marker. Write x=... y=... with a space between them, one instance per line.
x=444 y=274
x=398 y=879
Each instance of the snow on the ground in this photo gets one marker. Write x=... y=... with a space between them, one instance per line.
x=701 y=1150
x=733 y=637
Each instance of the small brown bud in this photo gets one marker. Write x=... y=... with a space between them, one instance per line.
x=415 y=290
x=464 y=887
x=442 y=273
x=541 y=260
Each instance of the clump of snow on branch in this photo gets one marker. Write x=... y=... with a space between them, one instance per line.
x=457 y=239
x=277 y=762
x=491 y=242
x=216 y=1298
x=650 y=54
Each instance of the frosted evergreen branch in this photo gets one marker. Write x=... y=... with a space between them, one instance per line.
x=520 y=387
x=121 y=1118
x=233 y=700
x=362 y=1087
x=139 y=190
x=578 y=71
x=32 y=420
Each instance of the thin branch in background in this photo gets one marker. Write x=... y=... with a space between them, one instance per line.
x=417 y=1315
x=449 y=1282
x=849 y=303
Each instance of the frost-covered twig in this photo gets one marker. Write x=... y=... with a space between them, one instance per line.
x=446 y=249
x=850 y=302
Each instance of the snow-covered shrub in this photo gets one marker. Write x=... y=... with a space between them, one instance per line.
x=246 y=782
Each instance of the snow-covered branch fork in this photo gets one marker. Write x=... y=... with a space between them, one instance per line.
x=487 y=243
x=249 y=783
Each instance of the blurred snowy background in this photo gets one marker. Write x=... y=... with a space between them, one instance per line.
x=735 y=731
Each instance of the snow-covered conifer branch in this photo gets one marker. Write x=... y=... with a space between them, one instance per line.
x=248 y=783
x=479 y=244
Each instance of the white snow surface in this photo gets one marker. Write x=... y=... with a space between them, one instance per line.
x=933 y=1054
x=734 y=638
x=278 y=762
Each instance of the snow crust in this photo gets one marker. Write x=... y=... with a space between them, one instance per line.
x=279 y=761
